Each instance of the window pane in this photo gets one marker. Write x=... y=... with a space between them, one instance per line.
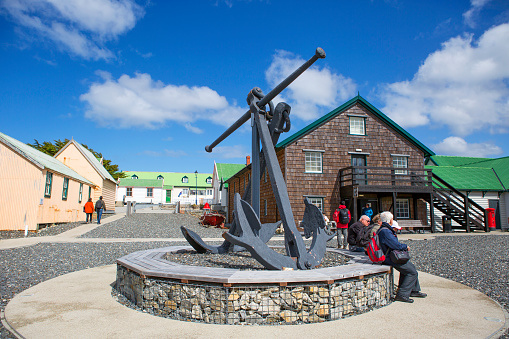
x=400 y=162
x=129 y=192
x=402 y=208
x=313 y=162
x=47 y=188
x=357 y=126
x=149 y=191
x=318 y=202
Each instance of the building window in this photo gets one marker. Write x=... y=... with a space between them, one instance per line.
x=313 y=162
x=265 y=175
x=185 y=180
x=357 y=126
x=49 y=181
x=129 y=191
x=318 y=202
x=185 y=191
x=400 y=162
x=402 y=209
x=65 y=189
x=265 y=207
x=134 y=176
x=209 y=180
x=80 y=195
x=160 y=177
x=150 y=192
x=89 y=192
x=209 y=192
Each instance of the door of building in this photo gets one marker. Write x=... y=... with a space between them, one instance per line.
x=168 y=195
x=493 y=203
x=359 y=174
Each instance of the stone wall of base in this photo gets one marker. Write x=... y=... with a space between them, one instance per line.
x=255 y=303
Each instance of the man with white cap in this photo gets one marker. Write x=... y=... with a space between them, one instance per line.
x=408 y=285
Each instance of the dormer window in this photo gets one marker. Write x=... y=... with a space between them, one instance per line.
x=160 y=177
x=134 y=176
x=185 y=180
x=208 y=180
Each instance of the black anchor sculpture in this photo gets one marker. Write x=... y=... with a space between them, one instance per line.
x=246 y=231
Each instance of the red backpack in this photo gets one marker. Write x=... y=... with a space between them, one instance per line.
x=374 y=250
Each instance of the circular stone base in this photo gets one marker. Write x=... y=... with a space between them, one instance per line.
x=231 y=296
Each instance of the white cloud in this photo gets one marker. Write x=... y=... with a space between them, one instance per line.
x=471 y=15
x=459 y=147
x=142 y=101
x=80 y=27
x=316 y=88
x=463 y=86
x=229 y=152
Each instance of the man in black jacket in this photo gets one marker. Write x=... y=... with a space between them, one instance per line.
x=358 y=234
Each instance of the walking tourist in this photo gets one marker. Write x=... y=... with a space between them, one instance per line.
x=100 y=207
x=342 y=218
x=408 y=277
x=89 y=210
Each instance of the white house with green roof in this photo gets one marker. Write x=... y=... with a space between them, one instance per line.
x=223 y=172
x=483 y=180
x=165 y=187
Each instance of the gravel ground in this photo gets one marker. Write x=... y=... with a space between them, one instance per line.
x=479 y=261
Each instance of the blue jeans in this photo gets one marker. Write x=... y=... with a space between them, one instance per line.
x=99 y=215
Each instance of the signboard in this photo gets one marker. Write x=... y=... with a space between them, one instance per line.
x=356 y=191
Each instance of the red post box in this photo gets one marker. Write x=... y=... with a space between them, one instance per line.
x=491 y=217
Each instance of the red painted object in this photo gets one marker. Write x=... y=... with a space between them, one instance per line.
x=491 y=217
x=206 y=206
x=212 y=218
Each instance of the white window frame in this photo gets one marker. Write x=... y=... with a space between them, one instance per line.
x=185 y=191
x=400 y=161
x=403 y=208
x=265 y=207
x=357 y=125
x=49 y=183
x=209 y=191
x=128 y=191
x=317 y=201
x=185 y=180
x=313 y=162
x=209 y=181
x=65 y=189
x=80 y=194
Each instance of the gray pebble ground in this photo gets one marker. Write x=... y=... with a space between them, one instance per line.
x=479 y=261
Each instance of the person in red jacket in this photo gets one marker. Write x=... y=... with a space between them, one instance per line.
x=342 y=218
x=89 y=209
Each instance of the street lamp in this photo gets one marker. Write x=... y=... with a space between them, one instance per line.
x=196 y=192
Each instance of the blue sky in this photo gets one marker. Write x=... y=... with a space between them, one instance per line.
x=150 y=83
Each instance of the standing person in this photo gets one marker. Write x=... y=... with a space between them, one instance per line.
x=89 y=210
x=359 y=234
x=100 y=207
x=408 y=277
x=367 y=211
x=342 y=218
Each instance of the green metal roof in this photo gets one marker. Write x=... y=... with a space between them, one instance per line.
x=499 y=165
x=141 y=182
x=172 y=178
x=226 y=171
x=42 y=160
x=360 y=100
x=469 y=178
x=445 y=160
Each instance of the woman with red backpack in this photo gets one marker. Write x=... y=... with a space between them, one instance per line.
x=342 y=218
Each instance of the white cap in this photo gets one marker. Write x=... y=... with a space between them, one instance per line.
x=395 y=225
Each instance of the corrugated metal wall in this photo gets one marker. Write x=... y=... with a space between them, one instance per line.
x=20 y=187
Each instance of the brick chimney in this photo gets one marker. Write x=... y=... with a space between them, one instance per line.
x=248 y=160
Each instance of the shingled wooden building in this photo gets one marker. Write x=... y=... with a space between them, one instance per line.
x=354 y=153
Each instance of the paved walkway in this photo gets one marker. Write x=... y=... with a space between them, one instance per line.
x=79 y=305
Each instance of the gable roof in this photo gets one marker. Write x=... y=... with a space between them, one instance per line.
x=499 y=165
x=128 y=182
x=40 y=159
x=356 y=100
x=225 y=171
x=172 y=178
x=446 y=160
x=94 y=162
x=469 y=178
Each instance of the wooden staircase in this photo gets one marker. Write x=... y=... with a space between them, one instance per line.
x=468 y=214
